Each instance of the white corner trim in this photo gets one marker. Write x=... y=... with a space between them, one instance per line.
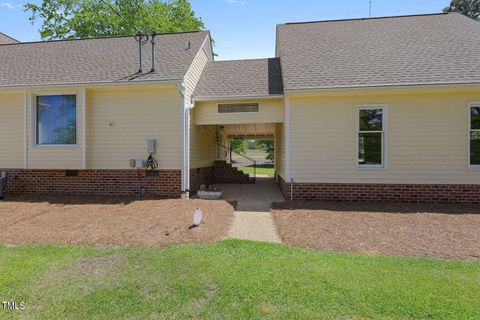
x=83 y=106
x=25 y=131
x=287 y=124
x=384 y=134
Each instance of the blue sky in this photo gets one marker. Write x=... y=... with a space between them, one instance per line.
x=246 y=28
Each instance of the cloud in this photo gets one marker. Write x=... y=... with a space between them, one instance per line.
x=239 y=2
x=10 y=6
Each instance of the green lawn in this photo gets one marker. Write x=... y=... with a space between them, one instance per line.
x=233 y=280
x=249 y=170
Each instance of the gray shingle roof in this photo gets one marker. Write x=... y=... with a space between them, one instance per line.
x=240 y=78
x=97 y=60
x=4 y=39
x=410 y=50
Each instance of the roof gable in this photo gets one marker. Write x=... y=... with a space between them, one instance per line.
x=240 y=78
x=4 y=39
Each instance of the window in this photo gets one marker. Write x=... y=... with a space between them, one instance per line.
x=238 y=107
x=371 y=125
x=56 y=120
x=474 y=134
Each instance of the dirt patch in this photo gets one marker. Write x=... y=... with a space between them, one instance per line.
x=110 y=221
x=424 y=230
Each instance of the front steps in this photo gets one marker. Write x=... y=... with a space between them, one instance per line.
x=225 y=173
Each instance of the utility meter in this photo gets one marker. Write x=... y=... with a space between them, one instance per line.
x=152 y=144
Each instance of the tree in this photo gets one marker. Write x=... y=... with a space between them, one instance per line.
x=238 y=145
x=70 y=19
x=470 y=8
x=267 y=146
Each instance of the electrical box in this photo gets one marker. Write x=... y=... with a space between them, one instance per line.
x=152 y=144
x=132 y=163
x=140 y=163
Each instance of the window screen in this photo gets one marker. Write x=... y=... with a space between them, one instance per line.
x=56 y=120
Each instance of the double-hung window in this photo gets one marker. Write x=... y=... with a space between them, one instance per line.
x=474 y=128
x=371 y=136
x=56 y=119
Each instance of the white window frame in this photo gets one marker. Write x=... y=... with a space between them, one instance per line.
x=473 y=104
x=34 y=118
x=383 y=107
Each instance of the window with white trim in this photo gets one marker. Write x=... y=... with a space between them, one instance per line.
x=56 y=119
x=371 y=136
x=474 y=128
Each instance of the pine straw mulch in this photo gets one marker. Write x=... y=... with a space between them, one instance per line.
x=423 y=230
x=110 y=221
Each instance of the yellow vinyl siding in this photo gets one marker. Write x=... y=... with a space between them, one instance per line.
x=12 y=132
x=271 y=111
x=121 y=121
x=202 y=145
x=202 y=138
x=427 y=139
x=54 y=157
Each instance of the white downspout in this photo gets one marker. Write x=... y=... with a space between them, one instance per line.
x=185 y=110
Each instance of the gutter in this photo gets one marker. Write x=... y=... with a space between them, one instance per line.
x=88 y=85
x=228 y=98
x=383 y=87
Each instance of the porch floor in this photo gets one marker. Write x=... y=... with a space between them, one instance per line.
x=253 y=197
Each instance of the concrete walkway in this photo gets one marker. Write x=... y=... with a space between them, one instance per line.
x=253 y=220
x=253 y=197
x=255 y=226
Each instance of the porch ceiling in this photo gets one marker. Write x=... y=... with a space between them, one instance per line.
x=250 y=131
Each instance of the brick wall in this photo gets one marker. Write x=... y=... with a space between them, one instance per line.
x=200 y=176
x=102 y=182
x=225 y=173
x=434 y=193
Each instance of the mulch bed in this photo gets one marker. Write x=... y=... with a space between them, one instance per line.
x=423 y=230
x=110 y=221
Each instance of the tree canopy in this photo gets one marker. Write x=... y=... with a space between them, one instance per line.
x=470 y=8
x=69 y=19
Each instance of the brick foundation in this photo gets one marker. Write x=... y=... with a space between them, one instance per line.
x=200 y=176
x=101 y=182
x=433 y=193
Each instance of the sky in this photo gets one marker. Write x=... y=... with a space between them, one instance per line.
x=245 y=29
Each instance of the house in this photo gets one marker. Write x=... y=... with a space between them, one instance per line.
x=4 y=39
x=374 y=109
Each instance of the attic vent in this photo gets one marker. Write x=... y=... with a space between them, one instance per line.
x=238 y=107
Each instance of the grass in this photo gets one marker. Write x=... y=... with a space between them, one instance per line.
x=232 y=280
x=249 y=170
